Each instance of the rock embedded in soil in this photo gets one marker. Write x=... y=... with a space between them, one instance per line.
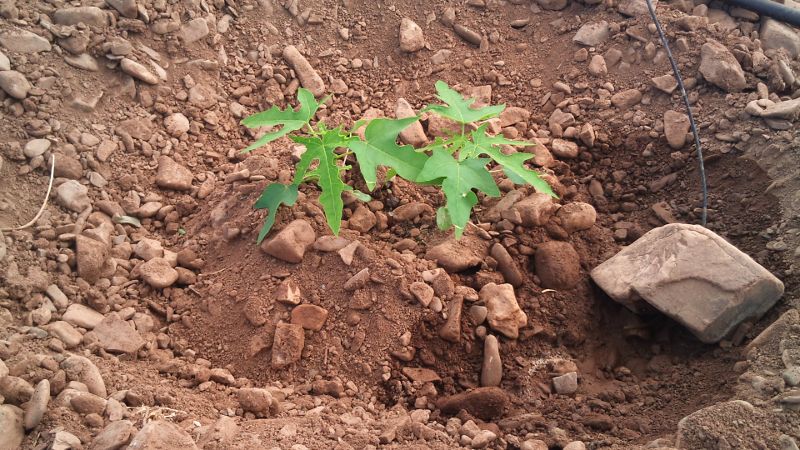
x=566 y=384
x=194 y=30
x=138 y=71
x=593 y=34
x=117 y=336
x=91 y=256
x=467 y=34
x=422 y=292
x=15 y=390
x=577 y=216
x=255 y=400
x=597 y=66
x=37 y=406
x=65 y=332
x=456 y=256
x=486 y=403
x=82 y=369
x=15 y=84
x=23 y=41
x=287 y=347
x=87 y=15
x=720 y=68
x=451 y=330
x=536 y=209
x=82 y=316
x=288 y=292
x=564 y=149
x=362 y=219
x=291 y=242
x=160 y=435
x=411 y=37
x=504 y=314
x=492 y=367
x=512 y=274
x=557 y=265
x=775 y=35
x=414 y=134
x=125 y=7
x=634 y=8
x=357 y=281
x=676 y=125
x=310 y=317
x=626 y=99
x=309 y=78
x=11 y=424
x=553 y=5
x=176 y=124
x=158 y=273
x=172 y=175
x=692 y=275
x=114 y=436
x=73 y=196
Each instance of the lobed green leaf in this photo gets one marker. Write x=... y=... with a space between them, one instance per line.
x=289 y=119
x=459 y=109
x=273 y=196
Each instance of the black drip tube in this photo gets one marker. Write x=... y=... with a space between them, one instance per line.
x=777 y=11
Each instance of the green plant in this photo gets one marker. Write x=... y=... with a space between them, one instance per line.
x=457 y=164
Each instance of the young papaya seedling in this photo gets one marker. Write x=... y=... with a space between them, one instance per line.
x=458 y=164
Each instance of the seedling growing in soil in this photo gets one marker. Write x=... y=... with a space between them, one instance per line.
x=457 y=164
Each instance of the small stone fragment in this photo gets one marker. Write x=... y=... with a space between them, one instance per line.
x=557 y=264
x=486 y=403
x=593 y=34
x=504 y=314
x=566 y=384
x=719 y=67
x=14 y=84
x=310 y=317
x=309 y=78
x=411 y=37
x=451 y=330
x=536 y=209
x=676 y=125
x=492 y=368
x=577 y=216
x=160 y=434
x=158 y=273
x=138 y=71
x=291 y=243
x=172 y=175
x=288 y=345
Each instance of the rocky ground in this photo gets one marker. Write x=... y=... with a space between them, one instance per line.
x=137 y=311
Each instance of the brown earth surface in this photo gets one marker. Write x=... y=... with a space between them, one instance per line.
x=211 y=337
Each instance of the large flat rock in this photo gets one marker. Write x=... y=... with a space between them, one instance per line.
x=693 y=276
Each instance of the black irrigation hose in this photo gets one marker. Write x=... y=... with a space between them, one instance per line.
x=770 y=8
x=677 y=73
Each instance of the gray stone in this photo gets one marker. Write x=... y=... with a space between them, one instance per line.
x=788 y=109
x=693 y=276
x=172 y=175
x=12 y=428
x=414 y=134
x=158 y=273
x=73 y=196
x=117 y=336
x=36 y=147
x=15 y=84
x=23 y=41
x=504 y=314
x=138 y=71
x=176 y=124
x=719 y=67
x=566 y=384
x=291 y=243
x=82 y=316
x=492 y=367
x=593 y=33
x=160 y=435
x=411 y=37
x=553 y=5
x=88 y=15
x=83 y=61
x=633 y=8
x=113 y=437
x=127 y=8
x=63 y=440
x=577 y=216
x=82 y=369
x=775 y=35
x=37 y=406
x=5 y=63
x=676 y=125
x=194 y=30
x=536 y=209
x=65 y=332
x=309 y=78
